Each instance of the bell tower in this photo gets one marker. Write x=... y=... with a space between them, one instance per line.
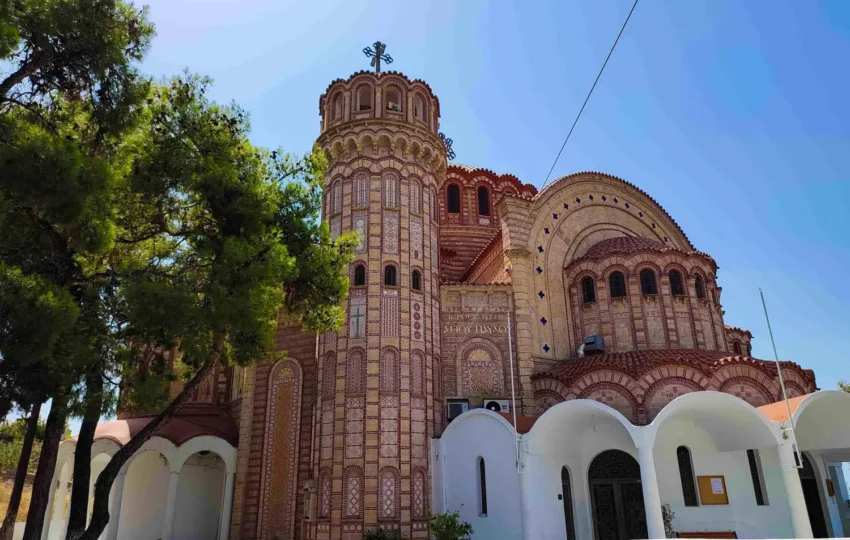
x=379 y=400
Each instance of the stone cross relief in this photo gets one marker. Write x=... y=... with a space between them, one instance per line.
x=357 y=316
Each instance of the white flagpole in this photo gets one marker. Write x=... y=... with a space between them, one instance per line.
x=513 y=391
x=797 y=457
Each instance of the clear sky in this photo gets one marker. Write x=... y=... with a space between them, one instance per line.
x=732 y=115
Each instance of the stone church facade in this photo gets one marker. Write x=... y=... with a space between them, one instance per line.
x=458 y=267
x=334 y=440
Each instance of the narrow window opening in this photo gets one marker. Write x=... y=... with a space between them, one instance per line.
x=676 y=288
x=483 y=201
x=390 y=275
x=698 y=287
x=617 y=284
x=453 y=199
x=359 y=275
x=686 y=475
x=567 y=494
x=736 y=346
x=364 y=98
x=416 y=280
x=418 y=107
x=648 y=284
x=337 y=107
x=757 y=476
x=393 y=100
x=588 y=291
x=482 y=488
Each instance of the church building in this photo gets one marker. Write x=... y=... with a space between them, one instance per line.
x=552 y=364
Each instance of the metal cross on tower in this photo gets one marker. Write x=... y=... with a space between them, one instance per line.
x=448 y=144
x=377 y=55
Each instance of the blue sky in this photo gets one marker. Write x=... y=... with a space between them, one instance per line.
x=732 y=115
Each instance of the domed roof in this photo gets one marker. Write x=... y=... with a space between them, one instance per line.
x=622 y=244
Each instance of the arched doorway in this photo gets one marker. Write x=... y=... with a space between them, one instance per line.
x=616 y=497
x=567 y=495
x=809 y=481
x=199 y=494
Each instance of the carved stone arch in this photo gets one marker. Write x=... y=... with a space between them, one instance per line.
x=749 y=389
x=680 y=266
x=792 y=376
x=743 y=368
x=352 y=493
x=480 y=368
x=639 y=261
x=615 y=396
x=280 y=453
x=793 y=389
x=663 y=391
x=545 y=399
x=700 y=378
x=607 y=375
x=551 y=385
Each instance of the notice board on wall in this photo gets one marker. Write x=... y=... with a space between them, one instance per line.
x=712 y=489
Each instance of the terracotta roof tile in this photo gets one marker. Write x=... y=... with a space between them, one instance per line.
x=637 y=363
x=739 y=329
x=201 y=420
x=633 y=244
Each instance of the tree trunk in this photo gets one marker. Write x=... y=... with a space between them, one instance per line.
x=43 y=483
x=8 y=526
x=78 y=513
x=28 y=68
x=100 y=513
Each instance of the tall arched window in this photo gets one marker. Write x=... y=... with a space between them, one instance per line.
x=648 y=284
x=686 y=475
x=390 y=277
x=418 y=107
x=482 y=488
x=364 y=98
x=389 y=371
x=336 y=197
x=567 y=494
x=736 y=346
x=416 y=280
x=483 y=201
x=359 y=275
x=393 y=99
x=676 y=288
x=355 y=372
x=361 y=189
x=415 y=196
x=337 y=107
x=698 y=287
x=617 y=285
x=588 y=290
x=453 y=199
x=391 y=190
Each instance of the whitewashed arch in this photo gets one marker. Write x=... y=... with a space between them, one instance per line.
x=475 y=413
x=205 y=443
x=554 y=418
x=162 y=445
x=822 y=422
x=732 y=423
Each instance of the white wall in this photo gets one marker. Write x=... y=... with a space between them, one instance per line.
x=543 y=480
x=842 y=497
x=485 y=435
x=145 y=494
x=199 y=496
x=742 y=514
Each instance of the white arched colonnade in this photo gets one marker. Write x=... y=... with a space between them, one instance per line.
x=165 y=491
x=721 y=432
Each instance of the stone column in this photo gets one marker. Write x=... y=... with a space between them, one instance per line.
x=170 y=506
x=116 y=501
x=794 y=492
x=226 y=508
x=651 y=495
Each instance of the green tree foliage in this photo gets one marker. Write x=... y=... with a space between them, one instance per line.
x=843 y=386
x=225 y=236
x=448 y=526
x=382 y=534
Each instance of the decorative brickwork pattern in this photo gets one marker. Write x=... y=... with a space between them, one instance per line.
x=418 y=437
x=390 y=181
x=666 y=391
x=360 y=224
x=417 y=372
x=329 y=376
x=416 y=237
x=337 y=197
x=280 y=462
x=415 y=196
x=355 y=371
x=327 y=429
x=389 y=493
x=389 y=426
x=389 y=313
x=615 y=397
x=353 y=496
x=418 y=495
x=417 y=323
x=361 y=189
x=390 y=229
x=355 y=414
x=325 y=493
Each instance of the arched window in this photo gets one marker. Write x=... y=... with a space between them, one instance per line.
x=389 y=371
x=483 y=201
x=337 y=107
x=698 y=287
x=482 y=488
x=418 y=108
x=416 y=280
x=647 y=282
x=736 y=346
x=686 y=475
x=359 y=275
x=588 y=290
x=393 y=99
x=361 y=189
x=364 y=98
x=390 y=275
x=757 y=476
x=676 y=288
x=336 y=200
x=353 y=486
x=391 y=190
x=355 y=372
x=415 y=196
x=453 y=199
x=617 y=285
x=388 y=493
x=567 y=494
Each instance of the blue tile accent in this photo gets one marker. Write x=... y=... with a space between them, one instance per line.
x=540 y=249
x=546 y=347
x=541 y=295
x=543 y=320
x=539 y=270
